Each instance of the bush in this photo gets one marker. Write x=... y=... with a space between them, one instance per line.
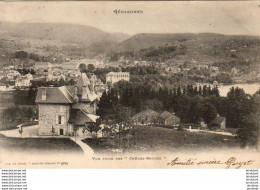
x=180 y=128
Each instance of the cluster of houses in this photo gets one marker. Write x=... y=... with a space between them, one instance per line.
x=44 y=71
x=62 y=109
x=23 y=81
x=13 y=79
x=149 y=117
x=52 y=72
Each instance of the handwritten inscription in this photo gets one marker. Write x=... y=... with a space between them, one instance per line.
x=232 y=162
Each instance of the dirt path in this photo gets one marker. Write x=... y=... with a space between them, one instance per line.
x=86 y=149
x=32 y=132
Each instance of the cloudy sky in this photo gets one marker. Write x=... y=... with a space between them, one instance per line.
x=242 y=17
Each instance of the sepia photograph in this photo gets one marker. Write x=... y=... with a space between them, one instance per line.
x=130 y=84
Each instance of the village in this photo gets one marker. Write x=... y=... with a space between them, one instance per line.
x=22 y=77
x=103 y=92
x=67 y=101
x=129 y=94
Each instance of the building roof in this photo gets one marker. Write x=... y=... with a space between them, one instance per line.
x=90 y=96
x=55 y=95
x=80 y=117
x=145 y=113
x=217 y=120
x=166 y=114
x=67 y=94
x=71 y=90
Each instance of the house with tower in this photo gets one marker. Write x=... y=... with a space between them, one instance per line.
x=62 y=109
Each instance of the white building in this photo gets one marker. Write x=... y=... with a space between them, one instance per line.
x=22 y=82
x=55 y=75
x=29 y=76
x=12 y=75
x=114 y=77
x=3 y=87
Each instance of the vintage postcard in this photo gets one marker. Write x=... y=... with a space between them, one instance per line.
x=130 y=84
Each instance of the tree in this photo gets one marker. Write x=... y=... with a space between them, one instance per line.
x=82 y=67
x=121 y=114
x=249 y=133
x=224 y=78
x=32 y=72
x=91 y=68
x=107 y=104
x=29 y=113
x=94 y=127
x=106 y=129
x=21 y=55
x=154 y=104
x=193 y=107
x=239 y=106
x=61 y=82
x=207 y=112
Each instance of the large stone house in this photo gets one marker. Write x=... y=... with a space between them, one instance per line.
x=61 y=109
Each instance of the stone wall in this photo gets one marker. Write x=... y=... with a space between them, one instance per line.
x=48 y=117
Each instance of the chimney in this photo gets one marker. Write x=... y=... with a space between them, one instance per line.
x=44 y=94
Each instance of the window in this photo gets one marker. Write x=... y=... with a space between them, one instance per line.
x=60 y=120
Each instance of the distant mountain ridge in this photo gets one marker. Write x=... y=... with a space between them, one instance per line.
x=146 y=40
x=87 y=41
x=66 y=33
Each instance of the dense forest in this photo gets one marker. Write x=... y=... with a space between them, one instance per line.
x=191 y=104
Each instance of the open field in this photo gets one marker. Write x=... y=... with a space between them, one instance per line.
x=45 y=146
x=149 y=139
